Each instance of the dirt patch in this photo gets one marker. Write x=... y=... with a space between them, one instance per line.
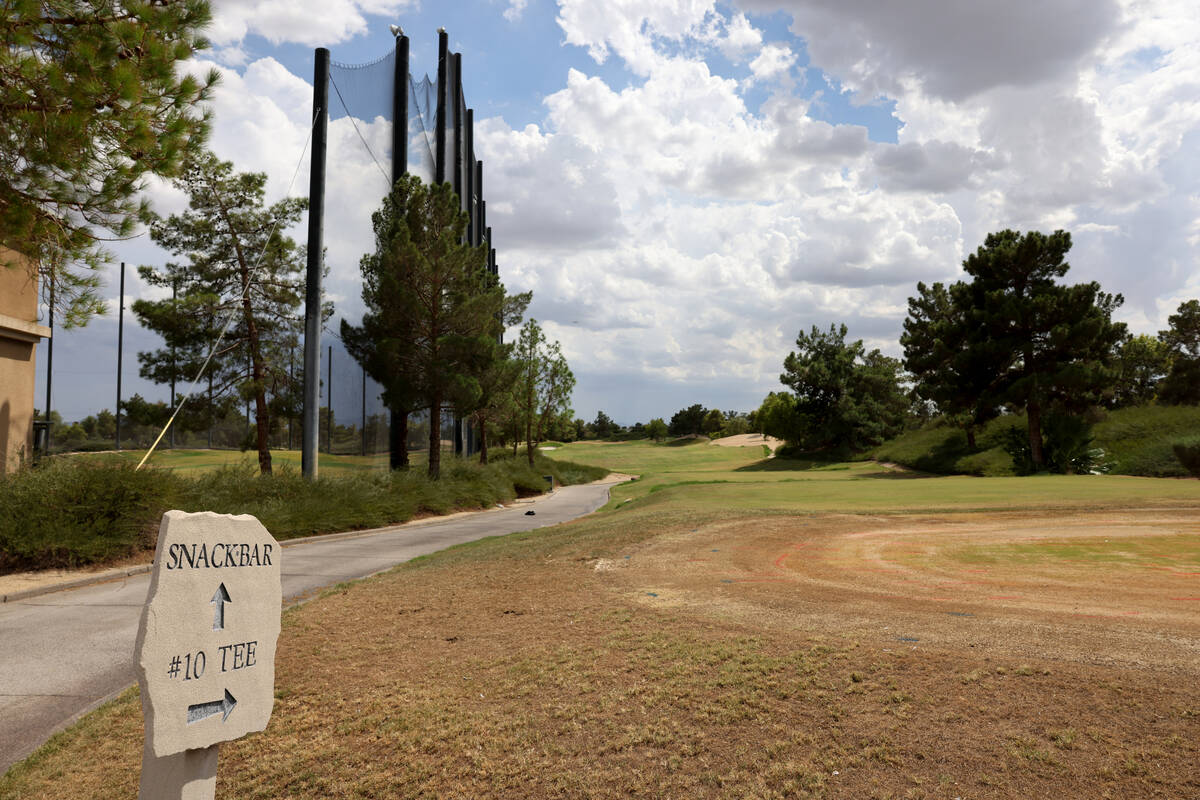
x=748 y=440
x=1106 y=588
x=615 y=477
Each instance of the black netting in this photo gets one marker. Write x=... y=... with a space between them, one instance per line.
x=354 y=420
x=422 y=127
x=362 y=113
x=363 y=91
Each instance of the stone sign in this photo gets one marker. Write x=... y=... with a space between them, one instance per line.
x=206 y=645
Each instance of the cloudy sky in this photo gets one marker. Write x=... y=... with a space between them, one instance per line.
x=686 y=184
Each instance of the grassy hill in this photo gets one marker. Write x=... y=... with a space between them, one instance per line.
x=1136 y=441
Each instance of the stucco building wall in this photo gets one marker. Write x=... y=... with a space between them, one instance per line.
x=19 y=336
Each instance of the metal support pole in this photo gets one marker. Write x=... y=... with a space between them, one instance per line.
x=292 y=388
x=396 y=443
x=316 y=247
x=469 y=182
x=120 y=349
x=439 y=158
x=329 y=405
x=50 y=368
x=364 y=411
x=400 y=110
x=456 y=98
x=174 y=304
x=480 y=206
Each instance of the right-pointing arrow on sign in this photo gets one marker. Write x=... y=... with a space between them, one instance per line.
x=205 y=710
x=219 y=599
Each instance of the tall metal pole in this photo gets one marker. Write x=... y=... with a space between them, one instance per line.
x=316 y=247
x=439 y=158
x=292 y=387
x=364 y=411
x=50 y=367
x=480 y=207
x=456 y=97
x=120 y=349
x=400 y=110
x=174 y=304
x=469 y=182
x=210 y=385
x=329 y=405
x=397 y=422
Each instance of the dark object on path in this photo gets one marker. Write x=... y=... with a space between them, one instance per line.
x=530 y=513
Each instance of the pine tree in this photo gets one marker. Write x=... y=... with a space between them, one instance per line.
x=240 y=264
x=935 y=353
x=1045 y=343
x=91 y=103
x=1182 y=340
x=434 y=314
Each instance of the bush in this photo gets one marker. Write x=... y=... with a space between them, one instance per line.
x=1188 y=454
x=70 y=512
x=1069 y=445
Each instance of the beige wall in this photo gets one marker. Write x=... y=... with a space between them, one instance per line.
x=19 y=335
x=18 y=287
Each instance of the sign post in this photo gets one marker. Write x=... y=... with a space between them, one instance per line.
x=205 y=648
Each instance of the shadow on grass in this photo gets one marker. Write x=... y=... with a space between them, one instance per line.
x=897 y=475
x=687 y=440
x=778 y=464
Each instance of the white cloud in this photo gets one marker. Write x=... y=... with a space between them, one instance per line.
x=515 y=9
x=630 y=27
x=740 y=38
x=314 y=23
x=772 y=62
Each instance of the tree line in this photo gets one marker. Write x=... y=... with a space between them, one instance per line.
x=1011 y=338
x=431 y=335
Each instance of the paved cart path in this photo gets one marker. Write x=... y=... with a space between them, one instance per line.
x=63 y=653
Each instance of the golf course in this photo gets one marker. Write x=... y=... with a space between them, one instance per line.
x=732 y=625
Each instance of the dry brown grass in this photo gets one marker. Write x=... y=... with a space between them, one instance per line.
x=516 y=668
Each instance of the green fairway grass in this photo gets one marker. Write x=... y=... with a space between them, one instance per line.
x=702 y=477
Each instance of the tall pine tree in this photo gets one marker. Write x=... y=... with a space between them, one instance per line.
x=433 y=311
x=1046 y=343
x=238 y=263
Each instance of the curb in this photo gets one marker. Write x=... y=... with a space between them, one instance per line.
x=99 y=577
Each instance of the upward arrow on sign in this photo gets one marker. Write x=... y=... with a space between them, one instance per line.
x=219 y=599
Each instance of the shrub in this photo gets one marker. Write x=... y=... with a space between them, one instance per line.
x=69 y=512
x=1069 y=445
x=1188 y=454
x=74 y=511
